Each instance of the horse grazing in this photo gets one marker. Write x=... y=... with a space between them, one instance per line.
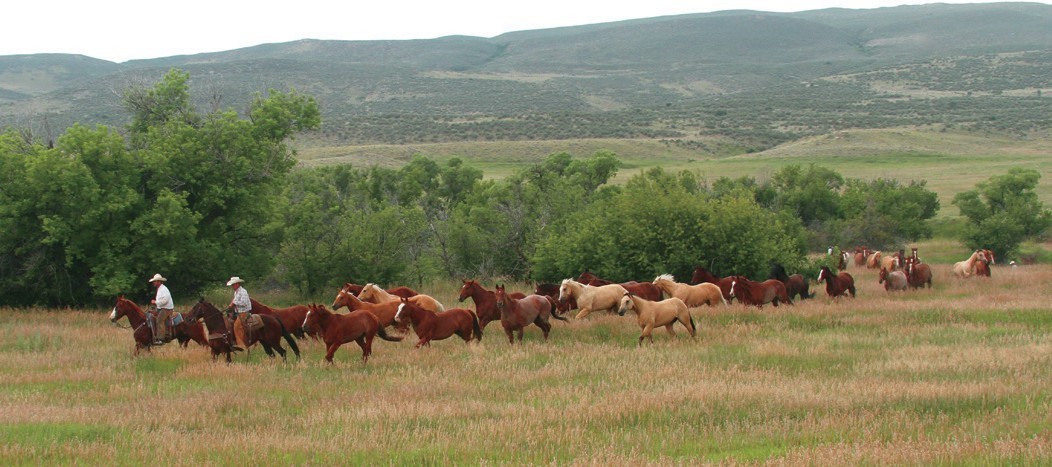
x=515 y=314
x=290 y=317
x=141 y=332
x=485 y=301
x=431 y=326
x=650 y=314
x=918 y=275
x=372 y=293
x=590 y=298
x=358 y=326
x=220 y=330
x=702 y=275
x=269 y=336
x=751 y=292
x=837 y=284
x=795 y=285
x=893 y=280
x=705 y=293
x=966 y=268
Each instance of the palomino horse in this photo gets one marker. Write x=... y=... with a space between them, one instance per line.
x=384 y=312
x=650 y=314
x=837 y=284
x=646 y=290
x=372 y=293
x=893 y=281
x=290 y=317
x=918 y=275
x=874 y=259
x=220 y=329
x=515 y=315
x=401 y=291
x=751 y=292
x=795 y=285
x=702 y=275
x=705 y=293
x=591 y=298
x=485 y=301
x=890 y=262
x=358 y=326
x=141 y=333
x=269 y=336
x=431 y=326
x=966 y=268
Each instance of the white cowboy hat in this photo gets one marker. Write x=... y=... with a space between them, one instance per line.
x=234 y=280
x=157 y=277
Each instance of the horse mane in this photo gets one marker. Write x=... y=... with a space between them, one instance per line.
x=665 y=277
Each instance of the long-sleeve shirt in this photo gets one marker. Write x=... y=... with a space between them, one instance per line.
x=241 y=301
x=163 y=299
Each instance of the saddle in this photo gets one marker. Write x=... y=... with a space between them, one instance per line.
x=254 y=323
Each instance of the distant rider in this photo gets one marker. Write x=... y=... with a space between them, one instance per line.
x=162 y=301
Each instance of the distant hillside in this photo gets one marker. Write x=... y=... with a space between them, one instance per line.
x=756 y=78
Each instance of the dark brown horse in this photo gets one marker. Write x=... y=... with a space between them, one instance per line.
x=837 y=284
x=795 y=285
x=515 y=315
x=141 y=333
x=220 y=329
x=552 y=290
x=486 y=300
x=703 y=275
x=918 y=275
x=431 y=326
x=269 y=336
x=359 y=326
x=291 y=317
x=758 y=293
x=588 y=278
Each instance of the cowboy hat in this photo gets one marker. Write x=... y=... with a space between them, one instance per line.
x=157 y=277
x=234 y=280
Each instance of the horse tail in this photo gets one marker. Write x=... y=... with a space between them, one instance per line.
x=288 y=338
x=387 y=337
x=475 y=326
x=555 y=309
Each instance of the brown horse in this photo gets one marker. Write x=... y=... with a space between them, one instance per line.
x=918 y=275
x=874 y=259
x=552 y=290
x=220 y=329
x=795 y=285
x=966 y=268
x=982 y=268
x=269 y=336
x=485 y=301
x=650 y=314
x=384 y=312
x=358 y=326
x=141 y=333
x=431 y=326
x=705 y=293
x=591 y=279
x=290 y=317
x=893 y=280
x=758 y=293
x=837 y=284
x=372 y=293
x=401 y=291
x=515 y=315
x=861 y=254
x=702 y=275
x=646 y=290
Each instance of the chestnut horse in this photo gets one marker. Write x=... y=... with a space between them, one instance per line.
x=401 y=291
x=591 y=298
x=141 y=333
x=873 y=261
x=646 y=290
x=702 y=275
x=269 y=336
x=650 y=314
x=890 y=262
x=384 y=312
x=220 y=329
x=795 y=285
x=515 y=315
x=918 y=274
x=705 y=293
x=751 y=292
x=966 y=268
x=837 y=284
x=485 y=301
x=431 y=326
x=893 y=280
x=359 y=326
x=290 y=317
x=861 y=253
x=552 y=290
x=372 y=293
x=982 y=268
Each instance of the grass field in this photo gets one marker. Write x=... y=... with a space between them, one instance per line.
x=955 y=375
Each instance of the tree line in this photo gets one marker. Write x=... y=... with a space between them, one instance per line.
x=202 y=196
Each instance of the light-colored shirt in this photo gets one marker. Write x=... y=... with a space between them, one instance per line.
x=163 y=299
x=241 y=301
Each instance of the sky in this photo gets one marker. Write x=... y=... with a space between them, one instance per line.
x=121 y=30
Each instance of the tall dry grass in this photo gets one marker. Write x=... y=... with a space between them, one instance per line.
x=956 y=374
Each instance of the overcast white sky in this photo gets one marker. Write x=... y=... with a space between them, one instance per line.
x=121 y=30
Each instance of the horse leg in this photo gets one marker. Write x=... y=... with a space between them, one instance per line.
x=585 y=311
x=267 y=348
x=668 y=327
x=365 y=348
x=522 y=331
x=647 y=332
x=331 y=351
x=544 y=325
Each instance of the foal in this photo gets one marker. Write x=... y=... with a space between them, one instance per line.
x=651 y=314
x=437 y=326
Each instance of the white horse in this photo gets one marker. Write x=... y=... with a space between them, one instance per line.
x=966 y=268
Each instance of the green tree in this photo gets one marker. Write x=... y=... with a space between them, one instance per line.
x=1003 y=211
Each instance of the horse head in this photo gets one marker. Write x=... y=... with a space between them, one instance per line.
x=823 y=274
x=467 y=289
x=501 y=296
x=403 y=310
x=883 y=275
x=626 y=303
x=341 y=299
x=310 y=322
x=124 y=307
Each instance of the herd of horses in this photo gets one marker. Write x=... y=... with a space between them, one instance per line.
x=663 y=302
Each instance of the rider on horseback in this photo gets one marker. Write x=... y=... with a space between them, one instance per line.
x=241 y=303
x=162 y=301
